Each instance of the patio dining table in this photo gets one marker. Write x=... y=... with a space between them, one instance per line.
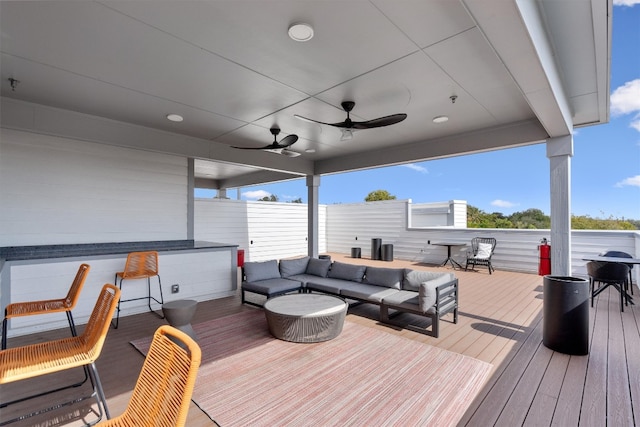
x=620 y=260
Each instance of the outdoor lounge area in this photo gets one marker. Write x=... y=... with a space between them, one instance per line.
x=500 y=322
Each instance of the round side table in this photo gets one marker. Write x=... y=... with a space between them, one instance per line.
x=179 y=314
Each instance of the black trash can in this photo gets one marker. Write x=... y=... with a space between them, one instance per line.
x=376 y=245
x=356 y=253
x=387 y=252
x=565 y=323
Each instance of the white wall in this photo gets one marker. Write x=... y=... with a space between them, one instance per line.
x=56 y=190
x=264 y=230
x=517 y=250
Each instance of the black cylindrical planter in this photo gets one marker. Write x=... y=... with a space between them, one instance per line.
x=387 y=252
x=565 y=323
x=356 y=253
x=376 y=244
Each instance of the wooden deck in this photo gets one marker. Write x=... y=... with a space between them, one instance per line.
x=500 y=322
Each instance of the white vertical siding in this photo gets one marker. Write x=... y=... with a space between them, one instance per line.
x=264 y=230
x=57 y=190
x=354 y=225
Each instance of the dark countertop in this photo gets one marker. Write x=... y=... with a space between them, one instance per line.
x=15 y=253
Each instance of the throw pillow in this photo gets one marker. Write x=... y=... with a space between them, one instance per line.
x=340 y=270
x=291 y=267
x=413 y=278
x=388 y=277
x=318 y=267
x=255 y=271
x=484 y=250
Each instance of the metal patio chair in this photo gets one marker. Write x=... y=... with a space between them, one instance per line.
x=140 y=265
x=43 y=358
x=32 y=308
x=481 y=252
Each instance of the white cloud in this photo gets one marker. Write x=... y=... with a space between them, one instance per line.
x=503 y=204
x=626 y=99
x=255 y=195
x=635 y=123
x=625 y=2
x=416 y=168
x=633 y=181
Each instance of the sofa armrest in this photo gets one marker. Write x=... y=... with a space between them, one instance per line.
x=447 y=299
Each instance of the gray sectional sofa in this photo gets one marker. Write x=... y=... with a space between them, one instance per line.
x=395 y=290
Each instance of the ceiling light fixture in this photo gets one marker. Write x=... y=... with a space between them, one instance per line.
x=175 y=117
x=347 y=135
x=440 y=119
x=310 y=150
x=301 y=32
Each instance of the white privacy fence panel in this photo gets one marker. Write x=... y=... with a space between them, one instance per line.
x=264 y=230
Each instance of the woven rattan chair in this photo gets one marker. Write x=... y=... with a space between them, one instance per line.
x=621 y=254
x=163 y=391
x=140 y=265
x=481 y=252
x=607 y=274
x=32 y=308
x=43 y=358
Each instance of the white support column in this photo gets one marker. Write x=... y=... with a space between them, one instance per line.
x=559 y=152
x=313 y=182
x=191 y=198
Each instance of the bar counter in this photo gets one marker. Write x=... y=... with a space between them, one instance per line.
x=15 y=253
x=202 y=270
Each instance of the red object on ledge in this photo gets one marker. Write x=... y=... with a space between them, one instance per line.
x=544 y=264
x=240 y=257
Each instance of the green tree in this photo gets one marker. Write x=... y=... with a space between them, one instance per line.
x=378 y=195
x=298 y=200
x=271 y=198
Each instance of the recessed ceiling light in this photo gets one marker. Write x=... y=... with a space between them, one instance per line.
x=175 y=117
x=310 y=150
x=301 y=32
x=440 y=119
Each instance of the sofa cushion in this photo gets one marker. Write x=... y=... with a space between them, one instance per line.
x=387 y=277
x=255 y=271
x=318 y=267
x=427 y=291
x=364 y=292
x=352 y=272
x=413 y=278
x=406 y=301
x=328 y=285
x=291 y=267
x=271 y=286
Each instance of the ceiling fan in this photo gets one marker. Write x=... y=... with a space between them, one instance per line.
x=281 y=147
x=348 y=126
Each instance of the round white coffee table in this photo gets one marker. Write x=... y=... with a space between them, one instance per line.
x=305 y=318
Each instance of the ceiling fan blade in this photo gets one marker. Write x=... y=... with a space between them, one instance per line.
x=267 y=147
x=379 y=122
x=306 y=119
x=288 y=141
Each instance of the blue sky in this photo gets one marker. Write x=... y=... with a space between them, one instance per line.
x=605 y=166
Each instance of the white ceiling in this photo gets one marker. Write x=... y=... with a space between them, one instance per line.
x=522 y=71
